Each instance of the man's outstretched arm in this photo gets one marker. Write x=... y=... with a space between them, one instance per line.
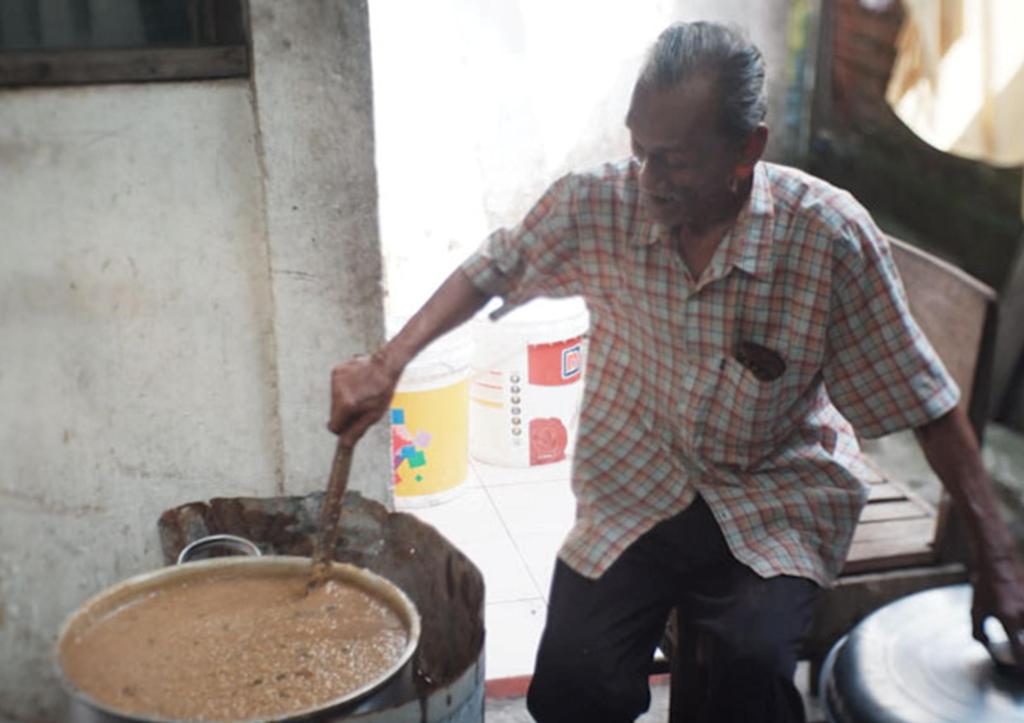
x=952 y=451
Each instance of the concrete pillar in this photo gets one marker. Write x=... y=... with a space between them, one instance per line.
x=314 y=112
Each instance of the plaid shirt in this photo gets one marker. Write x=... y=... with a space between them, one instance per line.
x=669 y=412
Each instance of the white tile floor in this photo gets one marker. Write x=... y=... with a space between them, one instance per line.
x=510 y=522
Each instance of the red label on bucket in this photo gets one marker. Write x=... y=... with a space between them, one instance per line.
x=548 y=440
x=552 y=365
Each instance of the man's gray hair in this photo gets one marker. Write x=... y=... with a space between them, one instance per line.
x=686 y=50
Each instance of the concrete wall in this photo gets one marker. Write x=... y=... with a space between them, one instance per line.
x=136 y=366
x=480 y=106
x=180 y=265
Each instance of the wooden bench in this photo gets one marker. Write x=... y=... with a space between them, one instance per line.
x=902 y=544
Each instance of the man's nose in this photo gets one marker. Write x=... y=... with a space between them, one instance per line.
x=651 y=176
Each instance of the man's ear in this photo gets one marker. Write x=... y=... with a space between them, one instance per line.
x=750 y=154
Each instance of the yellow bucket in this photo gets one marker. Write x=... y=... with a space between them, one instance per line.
x=430 y=424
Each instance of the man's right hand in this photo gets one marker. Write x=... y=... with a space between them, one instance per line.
x=361 y=388
x=361 y=391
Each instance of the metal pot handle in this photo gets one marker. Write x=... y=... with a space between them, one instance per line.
x=231 y=542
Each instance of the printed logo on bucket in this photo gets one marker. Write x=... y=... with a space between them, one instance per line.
x=555 y=364
x=572 y=361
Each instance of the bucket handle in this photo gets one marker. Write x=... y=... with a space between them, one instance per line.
x=230 y=542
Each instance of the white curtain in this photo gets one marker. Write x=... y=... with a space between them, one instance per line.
x=958 y=81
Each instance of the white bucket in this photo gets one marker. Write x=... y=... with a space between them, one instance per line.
x=527 y=383
x=430 y=423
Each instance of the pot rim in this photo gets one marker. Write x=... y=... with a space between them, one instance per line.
x=372 y=583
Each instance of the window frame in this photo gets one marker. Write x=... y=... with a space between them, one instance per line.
x=137 y=64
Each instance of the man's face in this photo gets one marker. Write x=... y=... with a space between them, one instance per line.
x=686 y=164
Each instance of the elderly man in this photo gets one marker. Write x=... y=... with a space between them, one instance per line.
x=746 y=319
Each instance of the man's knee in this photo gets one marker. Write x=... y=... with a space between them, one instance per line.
x=765 y=637
x=585 y=689
x=759 y=657
x=758 y=653
x=752 y=681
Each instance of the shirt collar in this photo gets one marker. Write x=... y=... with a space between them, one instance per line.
x=749 y=240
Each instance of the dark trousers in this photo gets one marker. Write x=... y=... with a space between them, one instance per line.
x=600 y=636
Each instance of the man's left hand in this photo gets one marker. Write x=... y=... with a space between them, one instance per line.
x=953 y=452
x=999 y=593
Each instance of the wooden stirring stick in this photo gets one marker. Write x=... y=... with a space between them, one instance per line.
x=330 y=513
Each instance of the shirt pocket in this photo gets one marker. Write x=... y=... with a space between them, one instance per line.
x=738 y=418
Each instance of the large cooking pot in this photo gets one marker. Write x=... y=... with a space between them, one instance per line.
x=124 y=593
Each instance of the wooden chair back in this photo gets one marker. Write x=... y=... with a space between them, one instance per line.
x=957 y=314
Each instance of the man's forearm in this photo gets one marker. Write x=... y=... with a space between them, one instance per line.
x=952 y=451
x=454 y=302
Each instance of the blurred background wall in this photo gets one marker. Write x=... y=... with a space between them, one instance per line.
x=479 y=107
